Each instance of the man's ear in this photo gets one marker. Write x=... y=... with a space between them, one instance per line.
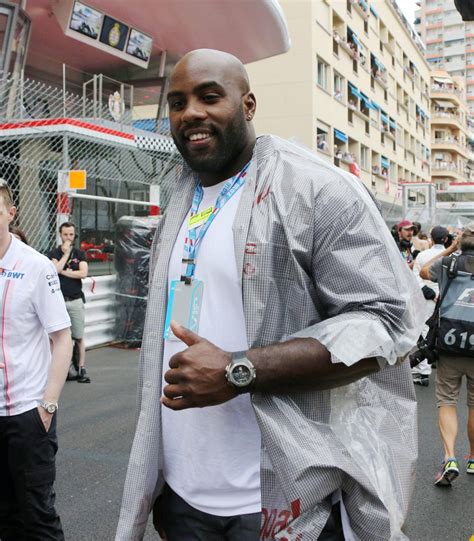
x=250 y=105
x=11 y=214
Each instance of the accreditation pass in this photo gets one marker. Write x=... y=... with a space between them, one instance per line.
x=184 y=306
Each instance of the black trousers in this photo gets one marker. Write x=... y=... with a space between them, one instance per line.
x=181 y=522
x=27 y=473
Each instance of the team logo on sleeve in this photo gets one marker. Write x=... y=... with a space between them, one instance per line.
x=53 y=282
x=11 y=274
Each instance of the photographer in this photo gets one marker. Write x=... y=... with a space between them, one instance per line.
x=452 y=365
x=406 y=231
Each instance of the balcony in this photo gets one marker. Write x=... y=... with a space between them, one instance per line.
x=381 y=79
x=409 y=72
x=350 y=48
x=448 y=169
x=446 y=92
x=451 y=119
x=362 y=8
x=450 y=143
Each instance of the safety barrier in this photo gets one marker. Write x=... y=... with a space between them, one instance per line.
x=100 y=310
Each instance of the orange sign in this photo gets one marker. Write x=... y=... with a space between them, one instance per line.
x=77 y=180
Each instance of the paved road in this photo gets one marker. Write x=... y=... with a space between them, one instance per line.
x=96 y=429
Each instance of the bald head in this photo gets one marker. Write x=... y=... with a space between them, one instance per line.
x=211 y=110
x=228 y=65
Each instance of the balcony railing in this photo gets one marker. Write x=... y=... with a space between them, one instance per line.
x=99 y=99
x=446 y=90
x=446 y=116
x=442 y=165
x=350 y=48
x=451 y=141
x=22 y=98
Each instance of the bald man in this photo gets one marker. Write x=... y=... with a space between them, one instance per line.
x=271 y=404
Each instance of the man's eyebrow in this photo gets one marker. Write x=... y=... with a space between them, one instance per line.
x=206 y=85
x=174 y=94
x=198 y=88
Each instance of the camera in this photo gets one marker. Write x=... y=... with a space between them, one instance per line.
x=449 y=240
x=423 y=352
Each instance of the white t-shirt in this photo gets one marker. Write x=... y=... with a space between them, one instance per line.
x=31 y=306
x=421 y=260
x=212 y=455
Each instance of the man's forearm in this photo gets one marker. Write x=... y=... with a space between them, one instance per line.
x=79 y=274
x=303 y=364
x=425 y=271
x=61 y=358
x=59 y=265
x=196 y=375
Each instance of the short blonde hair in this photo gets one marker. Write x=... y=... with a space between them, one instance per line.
x=6 y=193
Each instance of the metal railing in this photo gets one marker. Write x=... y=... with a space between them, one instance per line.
x=99 y=98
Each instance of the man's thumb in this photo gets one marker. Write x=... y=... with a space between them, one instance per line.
x=188 y=337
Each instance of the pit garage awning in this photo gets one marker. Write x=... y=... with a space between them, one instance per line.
x=251 y=30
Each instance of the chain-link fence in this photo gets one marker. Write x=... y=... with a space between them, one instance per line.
x=99 y=98
x=35 y=145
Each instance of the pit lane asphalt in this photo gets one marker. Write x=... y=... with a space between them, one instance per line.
x=96 y=426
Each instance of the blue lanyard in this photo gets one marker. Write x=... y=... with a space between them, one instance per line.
x=194 y=236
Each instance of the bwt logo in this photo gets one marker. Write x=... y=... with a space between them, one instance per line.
x=12 y=274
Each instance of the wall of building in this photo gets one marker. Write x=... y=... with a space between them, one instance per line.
x=306 y=92
x=283 y=85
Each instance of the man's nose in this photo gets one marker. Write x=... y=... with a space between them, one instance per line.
x=195 y=110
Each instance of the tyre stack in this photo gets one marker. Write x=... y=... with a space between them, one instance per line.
x=134 y=236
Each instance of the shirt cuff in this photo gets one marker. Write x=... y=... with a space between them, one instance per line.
x=58 y=326
x=353 y=336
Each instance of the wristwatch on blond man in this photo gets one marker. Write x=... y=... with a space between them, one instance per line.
x=50 y=407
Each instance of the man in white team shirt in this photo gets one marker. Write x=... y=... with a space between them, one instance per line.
x=32 y=313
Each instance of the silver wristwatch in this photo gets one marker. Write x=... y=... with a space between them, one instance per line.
x=50 y=407
x=240 y=373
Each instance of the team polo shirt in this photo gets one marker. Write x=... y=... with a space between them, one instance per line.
x=31 y=307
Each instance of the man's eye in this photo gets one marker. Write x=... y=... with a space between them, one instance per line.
x=211 y=97
x=176 y=105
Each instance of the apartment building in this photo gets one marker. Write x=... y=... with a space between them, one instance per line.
x=449 y=41
x=355 y=88
x=449 y=131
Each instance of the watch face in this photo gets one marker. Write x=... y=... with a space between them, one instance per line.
x=51 y=408
x=241 y=375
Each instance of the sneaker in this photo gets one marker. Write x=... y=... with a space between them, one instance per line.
x=470 y=466
x=448 y=472
x=422 y=380
x=83 y=377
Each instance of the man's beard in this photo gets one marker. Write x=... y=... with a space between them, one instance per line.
x=229 y=145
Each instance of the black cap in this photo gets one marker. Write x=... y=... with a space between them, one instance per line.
x=439 y=233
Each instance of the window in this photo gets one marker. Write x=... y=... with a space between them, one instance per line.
x=323 y=70
x=322 y=136
x=338 y=87
x=364 y=157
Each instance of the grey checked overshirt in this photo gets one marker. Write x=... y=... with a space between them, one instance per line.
x=317 y=261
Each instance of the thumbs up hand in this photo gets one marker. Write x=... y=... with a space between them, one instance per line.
x=196 y=377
